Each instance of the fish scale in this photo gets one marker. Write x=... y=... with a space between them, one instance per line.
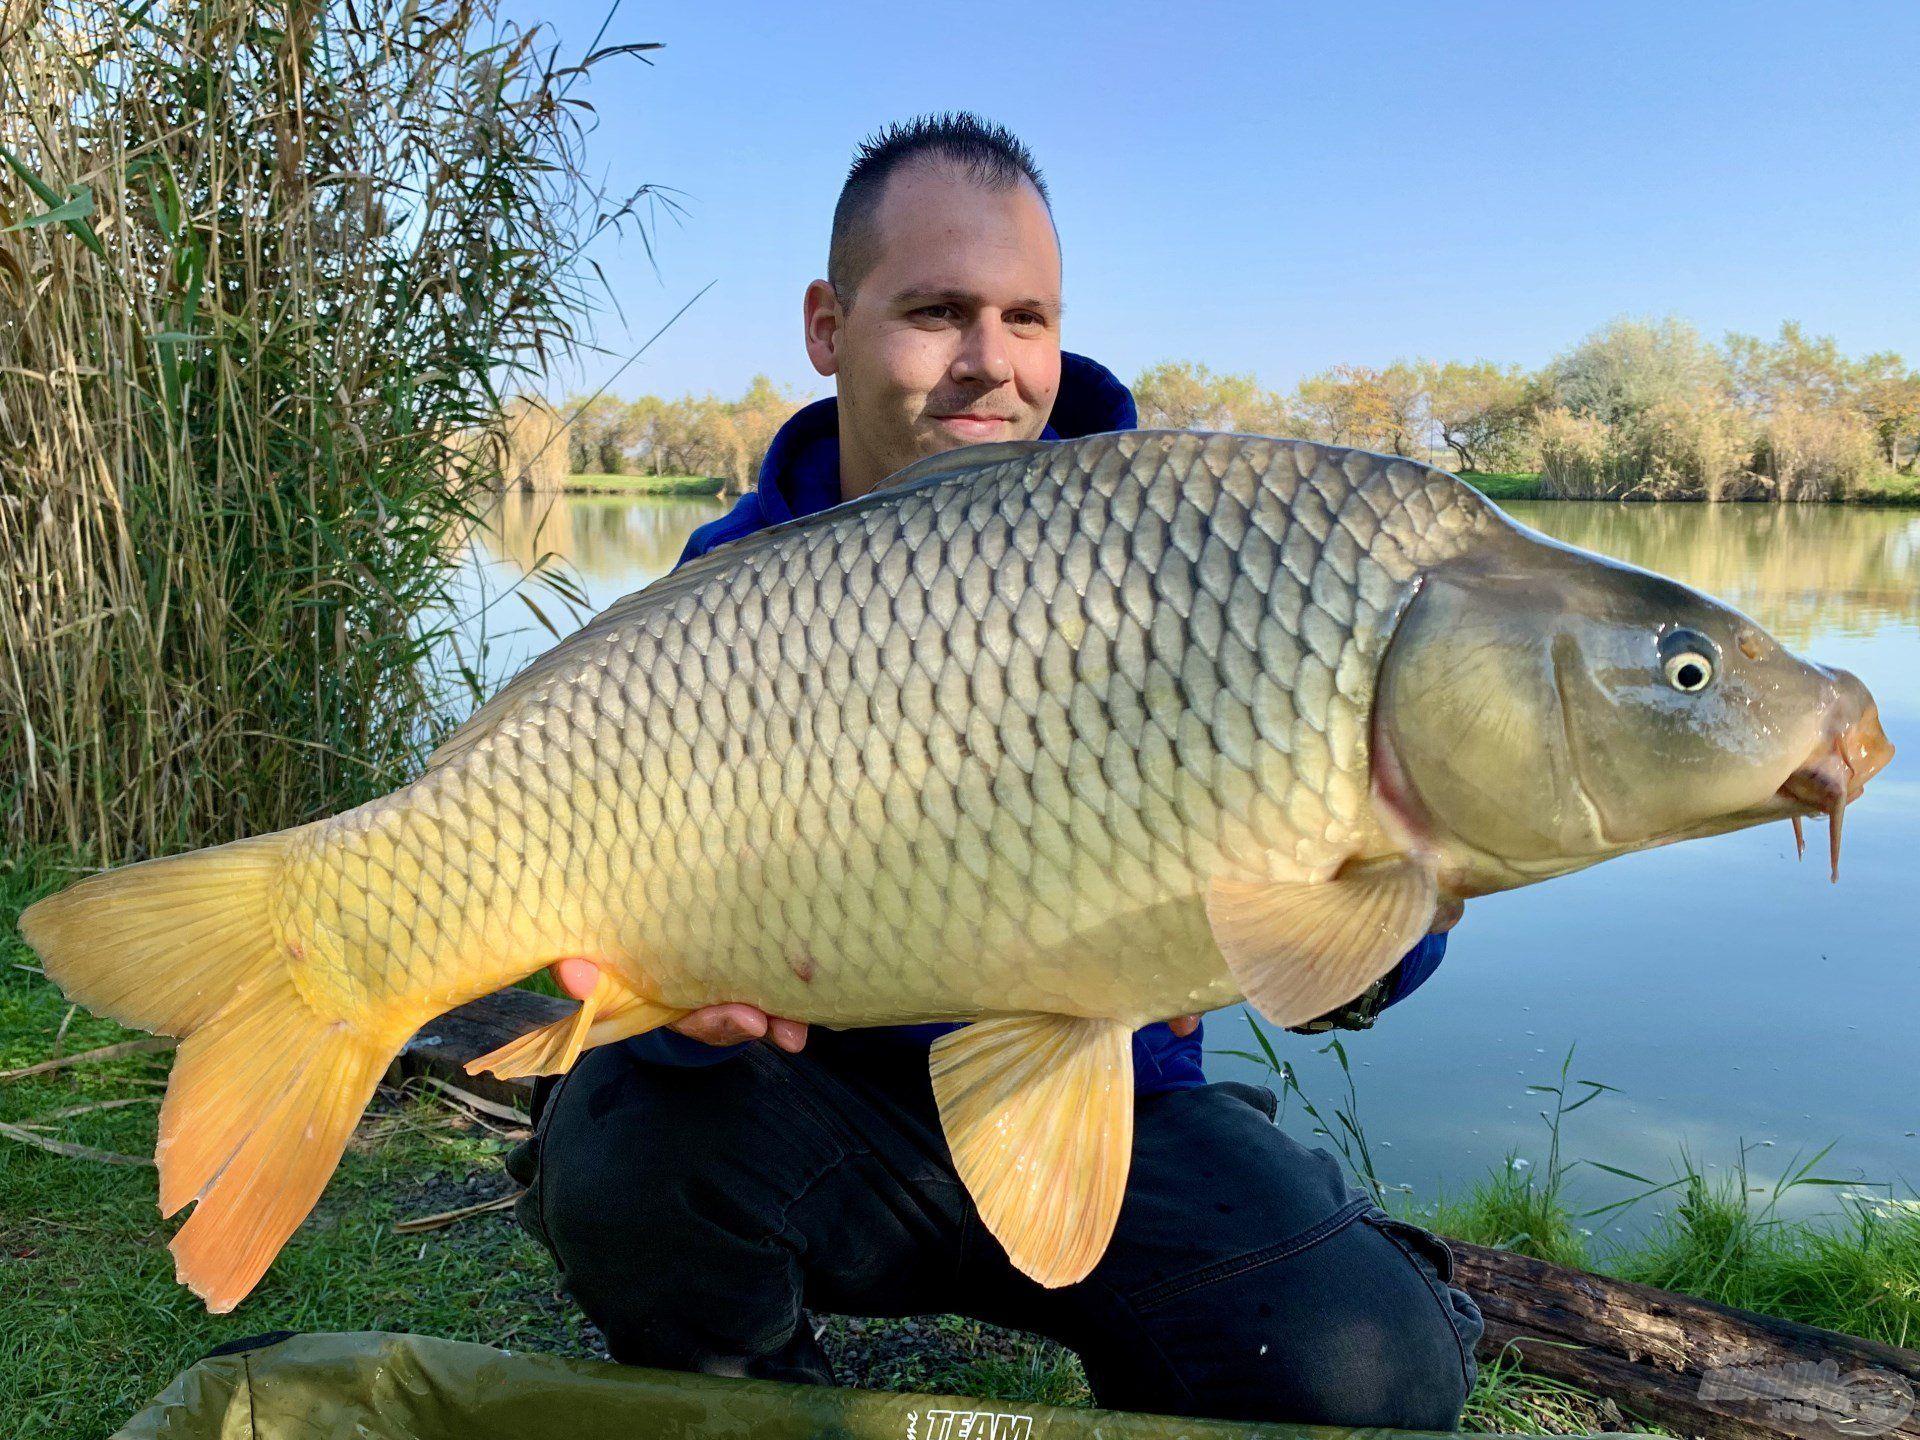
x=908 y=762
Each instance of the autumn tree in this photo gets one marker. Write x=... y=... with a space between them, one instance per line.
x=598 y=434
x=1481 y=411
x=1642 y=408
x=1182 y=395
x=1367 y=408
x=1889 y=398
x=746 y=427
x=1816 y=435
x=1797 y=370
x=1627 y=368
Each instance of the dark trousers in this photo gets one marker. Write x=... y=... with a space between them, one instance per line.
x=697 y=1213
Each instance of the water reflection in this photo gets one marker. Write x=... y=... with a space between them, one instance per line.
x=1798 y=569
x=611 y=541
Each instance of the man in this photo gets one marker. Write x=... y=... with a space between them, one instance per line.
x=700 y=1194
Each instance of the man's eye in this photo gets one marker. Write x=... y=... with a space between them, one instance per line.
x=1027 y=317
x=935 y=312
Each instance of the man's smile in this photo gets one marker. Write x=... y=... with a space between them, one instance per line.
x=974 y=427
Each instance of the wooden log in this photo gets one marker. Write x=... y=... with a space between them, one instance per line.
x=1700 y=1368
x=444 y=1047
x=1704 y=1369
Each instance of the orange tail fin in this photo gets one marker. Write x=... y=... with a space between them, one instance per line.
x=264 y=1092
x=260 y=1105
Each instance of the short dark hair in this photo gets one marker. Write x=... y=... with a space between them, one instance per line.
x=992 y=156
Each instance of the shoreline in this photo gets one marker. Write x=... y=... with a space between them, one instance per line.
x=1889 y=492
x=667 y=487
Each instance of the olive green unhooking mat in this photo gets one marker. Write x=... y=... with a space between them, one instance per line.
x=406 y=1387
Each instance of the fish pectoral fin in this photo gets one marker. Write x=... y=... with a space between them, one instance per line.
x=1300 y=949
x=610 y=1012
x=1038 y=1113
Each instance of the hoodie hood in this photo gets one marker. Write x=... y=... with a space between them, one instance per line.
x=801 y=472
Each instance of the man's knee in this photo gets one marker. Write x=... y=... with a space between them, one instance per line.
x=1399 y=1345
x=668 y=1163
x=664 y=1213
x=1357 y=1327
x=1269 y=1287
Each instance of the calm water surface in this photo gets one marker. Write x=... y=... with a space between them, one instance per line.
x=1729 y=993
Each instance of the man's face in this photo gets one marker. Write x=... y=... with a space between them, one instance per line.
x=953 y=336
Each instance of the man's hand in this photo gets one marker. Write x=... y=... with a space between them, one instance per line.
x=1360 y=1012
x=714 y=1024
x=732 y=1023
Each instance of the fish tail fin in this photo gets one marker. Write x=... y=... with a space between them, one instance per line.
x=260 y=1105
x=165 y=944
x=265 y=1090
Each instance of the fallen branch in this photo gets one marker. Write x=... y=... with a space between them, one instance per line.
x=445 y=1045
x=476 y=1102
x=72 y=1152
x=69 y=1111
x=87 y=1057
x=454 y=1217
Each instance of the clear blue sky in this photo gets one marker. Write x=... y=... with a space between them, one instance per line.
x=1282 y=187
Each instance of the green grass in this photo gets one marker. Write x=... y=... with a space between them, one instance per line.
x=1854 y=1269
x=1886 y=489
x=1504 y=484
x=645 y=484
x=1889 y=488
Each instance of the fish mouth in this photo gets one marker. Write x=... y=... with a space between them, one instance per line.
x=1835 y=774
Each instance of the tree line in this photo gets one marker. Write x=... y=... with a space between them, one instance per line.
x=1637 y=409
x=687 y=435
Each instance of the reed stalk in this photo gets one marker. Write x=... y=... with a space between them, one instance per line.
x=265 y=267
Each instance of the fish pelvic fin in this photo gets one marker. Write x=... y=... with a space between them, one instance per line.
x=1300 y=949
x=1038 y=1114
x=260 y=1105
x=610 y=1012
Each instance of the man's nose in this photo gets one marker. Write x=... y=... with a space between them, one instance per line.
x=984 y=357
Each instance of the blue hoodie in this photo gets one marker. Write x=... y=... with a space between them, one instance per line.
x=801 y=476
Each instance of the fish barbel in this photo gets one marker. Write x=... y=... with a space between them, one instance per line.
x=1059 y=739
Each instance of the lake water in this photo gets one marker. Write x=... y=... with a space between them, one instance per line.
x=1729 y=993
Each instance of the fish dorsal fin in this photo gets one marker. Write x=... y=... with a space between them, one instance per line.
x=921 y=475
x=1038 y=1113
x=959 y=462
x=1300 y=949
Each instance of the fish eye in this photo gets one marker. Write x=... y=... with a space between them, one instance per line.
x=1687 y=658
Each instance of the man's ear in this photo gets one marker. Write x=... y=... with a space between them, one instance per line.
x=823 y=321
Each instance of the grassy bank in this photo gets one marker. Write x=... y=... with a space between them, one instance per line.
x=1886 y=489
x=643 y=484
x=99 y=1326
x=1504 y=485
x=1889 y=489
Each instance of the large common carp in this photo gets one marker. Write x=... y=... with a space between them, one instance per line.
x=1058 y=738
